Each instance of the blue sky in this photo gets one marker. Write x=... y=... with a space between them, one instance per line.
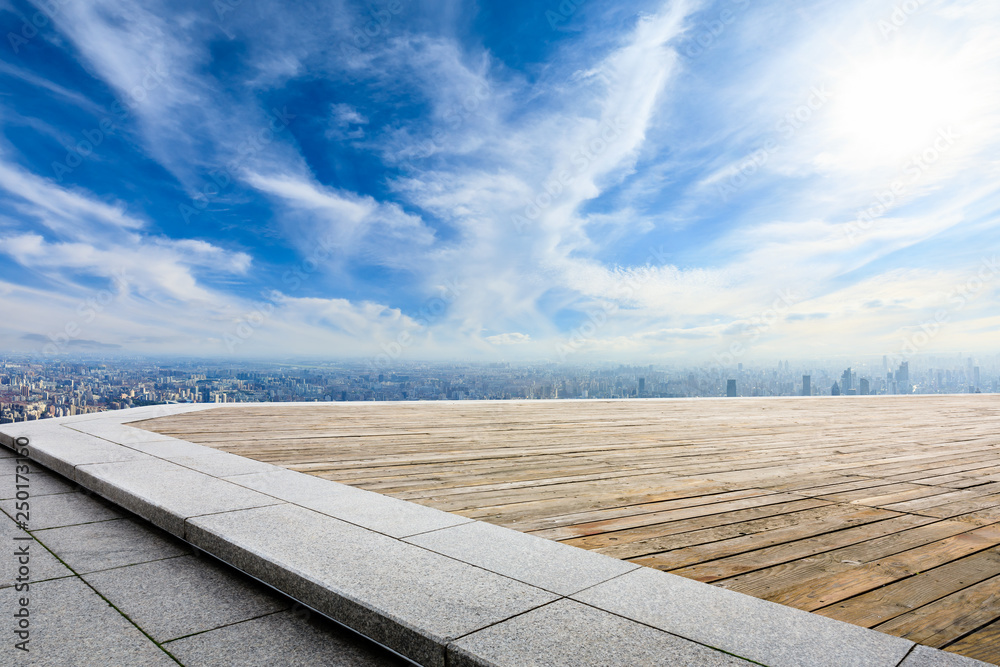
x=652 y=181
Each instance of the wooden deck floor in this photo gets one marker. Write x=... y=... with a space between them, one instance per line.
x=879 y=511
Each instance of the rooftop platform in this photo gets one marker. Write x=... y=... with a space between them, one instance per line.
x=880 y=511
x=872 y=510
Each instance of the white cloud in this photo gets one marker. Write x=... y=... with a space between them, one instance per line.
x=513 y=338
x=60 y=209
x=524 y=186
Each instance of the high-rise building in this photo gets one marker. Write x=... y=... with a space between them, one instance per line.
x=731 y=388
x=806 y=385
x=845 y=381
x=642 y=386
x=864 y=388
x=975 y=376
x=835 y=390
x=903 y=378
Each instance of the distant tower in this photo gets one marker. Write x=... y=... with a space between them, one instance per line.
x=864 y=388
x=835 y=390
x=903 y=378
x=731 y=388
x=975 y=377
x=806 y=385
x=845 y=381
x=642 y=386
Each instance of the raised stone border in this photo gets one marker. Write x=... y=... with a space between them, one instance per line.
x=435 y=587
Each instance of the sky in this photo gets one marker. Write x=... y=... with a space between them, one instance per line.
x=563 y=181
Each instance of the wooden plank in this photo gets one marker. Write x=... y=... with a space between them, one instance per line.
x=902 y=597
x=749 y=536
x=942 y=622
x=654 y=518
x=983 y=644
x=763 y=559
x=696 y=523
x=824 y=581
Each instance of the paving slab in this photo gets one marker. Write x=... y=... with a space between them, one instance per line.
x=118 y=433
x=755 y=629
x=391 y=516
x=924 y=656
x=289 y=639
x=41 y=564
x=135 y=414
x=180 y=596
x=109 y=544
x=214 y=462
x=63 y=449
x=71 y=626
x=63 y=509
x=165 y=493
x=38 y=483
x=543 y=563
x=9 y=466
x=407 y=598
x=9 y=433
x=570 y=634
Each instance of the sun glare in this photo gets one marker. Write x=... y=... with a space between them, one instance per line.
x=886 y=109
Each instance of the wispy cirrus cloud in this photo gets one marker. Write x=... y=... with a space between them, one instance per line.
x=541 y=180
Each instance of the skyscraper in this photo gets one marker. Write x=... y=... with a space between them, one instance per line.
x=903 y=378
x=806 y=385
x=835 y=390
x=845 y=381
x=642 y=386
x=731 y=388
x=864 y=388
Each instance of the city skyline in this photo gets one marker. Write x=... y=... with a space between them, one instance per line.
x=679 y=182
x=30 y=390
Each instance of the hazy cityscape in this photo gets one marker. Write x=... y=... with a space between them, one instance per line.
x=32 y=390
